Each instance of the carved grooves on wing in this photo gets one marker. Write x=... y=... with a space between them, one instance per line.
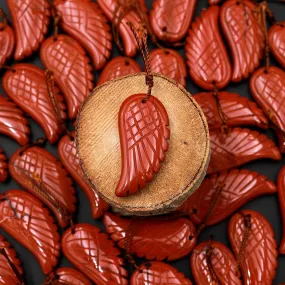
x=259 y=261
x=30 y=19
x=205 y=52
x=92 y=252
x=268 y=89
x=71 y=68
x=153 y=239
x=3 y=166
x=13 y=122
x=118 y=67
x=222 y=261
x=39 y=165
x=25 y=218
x=7 y=43
x=169 y=63
x=237 y=110
x=239 y=187
x=6 y=272
x=243 y=32
x=276 y=36
x=28 y=89
x=87 y=24
x=70 y=276
x=239 y=147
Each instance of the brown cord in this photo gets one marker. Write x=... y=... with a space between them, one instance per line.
x=39 y=187
x=51 y=93
x=213 y=203
x=140 y=34
x=38 y=142
x=209 y=254
x=56 y=18
x=13 y=267
x=246 y=234
x=7 y=67
x=222 y=116
x=264 y=12
x=3 y=16
x=53 y=279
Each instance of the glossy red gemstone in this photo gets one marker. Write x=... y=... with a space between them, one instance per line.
x=239 y=147
x=27 y=87
x=276 y=39
x=237 y=110
x=109 y=8
x=240 y=21
x=24 y=218
x=118 y=67
x=40 y=173
x=258 y=261
x=214 y=2
x=144 y=131
x=171 y=19
x=169 y=63
x=3 y=167
x=7 y=42
x=85 y=22
x=152 y=238
x=206 y=53
x=71 y=69
x=281 y=197
x=268 y=90
x=222 y=194
x=69 y=157
x=13 y=122
x=7 y=273
x=67 y=276
x=30 y=21
x=158 y=273
x=213 y=263
x=95 y=255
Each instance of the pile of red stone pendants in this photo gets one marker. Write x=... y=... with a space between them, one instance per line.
x=228 y=42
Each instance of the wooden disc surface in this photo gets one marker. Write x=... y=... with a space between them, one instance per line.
x=98 y=145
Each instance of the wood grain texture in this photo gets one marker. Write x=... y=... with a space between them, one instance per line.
x=243 y=31
x=99 y=145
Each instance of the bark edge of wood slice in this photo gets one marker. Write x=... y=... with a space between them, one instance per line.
x=98 y=145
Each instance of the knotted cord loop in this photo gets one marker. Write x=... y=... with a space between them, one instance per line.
x=209 y=254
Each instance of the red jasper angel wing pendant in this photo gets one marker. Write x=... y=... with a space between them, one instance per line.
x=144 y=131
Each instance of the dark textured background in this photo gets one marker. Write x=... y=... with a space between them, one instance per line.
x=267 y=205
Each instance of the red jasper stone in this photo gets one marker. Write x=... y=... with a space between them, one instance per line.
x=276 y=40
x=7 y=273
x=153 y=238
x=71 y=69
x=144 y=131
x=30 y=21
x=213 y=263
x=237 y=110
x=169 y=63
x=7 y=42
x=206 y=53
x=69 y=157
x=268 y=90
x=95 y=255
x=171 y=19
x=129 y=41
x=13 y=123
x=24 y=218
x=27 y=87
x=3 y=167
x=158 y=273
x=259 y=259
x=214 y=2
x=85 y=22
x=222 y=194
x=118 y=67
x=40 y=173
x=239 y=147
x=240 y=21
x=281 y=197
x=68 y=276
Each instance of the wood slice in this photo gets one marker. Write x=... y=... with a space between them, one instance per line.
x=98 y=145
